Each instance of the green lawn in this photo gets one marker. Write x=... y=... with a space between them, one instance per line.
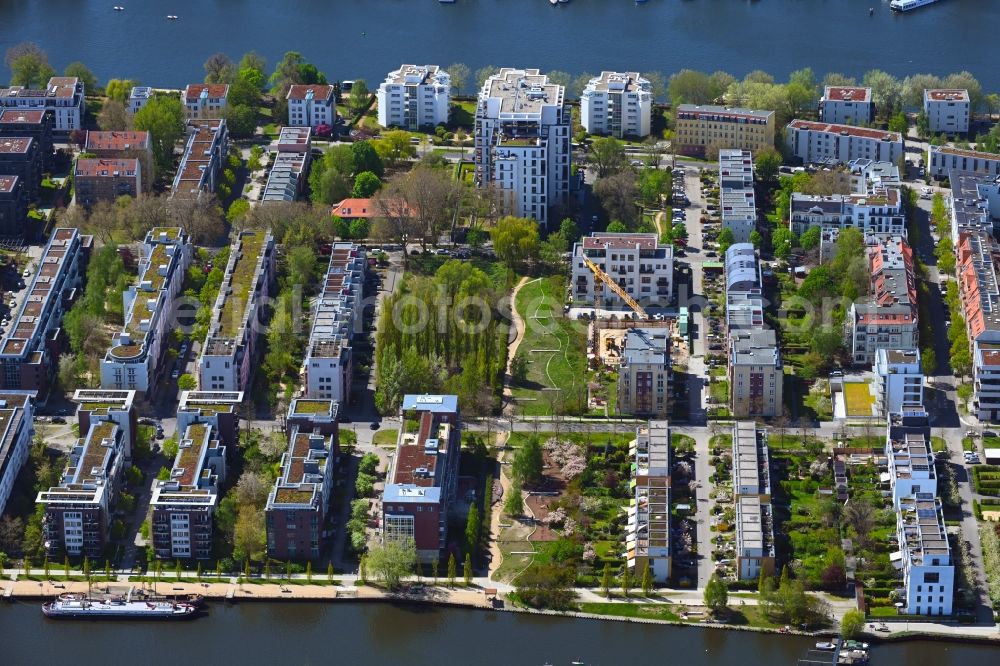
x=938 y=444
x=651 y=611
x=386 y=438
x=719 y=391
x=859 y=399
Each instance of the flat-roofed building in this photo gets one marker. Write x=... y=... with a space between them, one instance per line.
x=32 y=344
x=183 y=506
x=311 y=105
x=974 y=203
x=704 y=130
x=203 y=159
x=205 y=100
x=751 y=461
x=641 y=265
x=847 y=105
x=522 y=142
x=644 y=372
x=832 y=143
x=737 y=205
x=138 y=97
x=889 y=319
x=14 y=209
x=414 y=97
x=96 y=405
x=869 y=175
x=898 y=380
x=879 y=211
x=290 y=167
x=647 y=530
x=230 y=350
x=908 y=450
x=423 y=475
x=618 y=104
x=947 y=111
x=133 y=361
x=756 y=374
x=313 y=415
x=63 y=96
x=22 y=157
x=924 y=556
x=106 y=179
x=17 y=409
x=754 y=538
x=219 y=409
x=977 y=254
x=943 y=159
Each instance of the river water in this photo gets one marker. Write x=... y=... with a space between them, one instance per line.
x=351 y=39
x=374 y=633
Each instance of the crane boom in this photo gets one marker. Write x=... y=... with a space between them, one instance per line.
x=615 y=287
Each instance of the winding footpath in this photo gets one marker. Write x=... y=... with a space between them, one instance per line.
x=512 y=346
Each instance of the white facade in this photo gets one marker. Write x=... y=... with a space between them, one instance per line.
x=908 y=450
x=640 y=265
x=647 y=532
x=889 y=317
x=947 y=111
x=877 y=212
x=898 y=380
x=17 y=410
x=205 y=100
x=311 y=105
x=138 y=98
x=736 y=193
x=941 y=160
x=64 y=96
x=522 y=142
x=925 y=557
x=847 y=105
x=618 y=104
x=414 y=97
x=829 y=143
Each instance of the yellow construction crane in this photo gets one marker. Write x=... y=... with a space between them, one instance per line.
x=615 y=287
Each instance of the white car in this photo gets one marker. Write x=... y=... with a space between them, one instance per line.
x=26 y=273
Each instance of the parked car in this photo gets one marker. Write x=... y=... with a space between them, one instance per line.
x=175 y=374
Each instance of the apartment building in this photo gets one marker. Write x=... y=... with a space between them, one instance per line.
x=943 y=159
x=974 y=203
x=522 y=142
x=647 y=531
x=703 y=130
x=203 y=160
x=639 y=263
x=736 y=196
x=644 y=372
x=414 y=97
x=311 y=105
x=754 y=537
x=423 y=475
x=230 y=349
x=298 y=503
x=32 y=343
x=32 y=124
x=63 y=96
x=314 y=416
x=14 y=209
x=947 y=111
x=104 y=179
x=868 y=175
x=908 y=450
x=751 y=461
x=756 y=375
x=290 y=167
x=205 y=100
x=21 y=157
x=133 y=361
x=138 y=97
x=618 y=104
x=123 y=145
x=924 y=556
x=184 y=504
x=219 y=409
x=17 y=409
x=977 y=254
x=831 y=143
x=744 y=299
x=329 y=359
x=96 y=405
x=877 y=212
x=889 y=319
x=847 y=105
x=899 y=380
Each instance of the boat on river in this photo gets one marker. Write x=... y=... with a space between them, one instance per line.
x=88 y=607
x=907 y=5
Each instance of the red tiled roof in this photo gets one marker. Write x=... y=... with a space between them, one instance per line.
x=861 y=132
x=116 y=140
x=22 y=116
x=301 y=90
x=215 y=90
x=947 y=95
x=14 y=145
x=849 y=93
x=93 y=167
x=625 y=241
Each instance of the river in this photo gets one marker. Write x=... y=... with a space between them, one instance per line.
x=376 y=633
x=350 y=39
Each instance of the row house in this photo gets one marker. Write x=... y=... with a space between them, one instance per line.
x=63 y=96
x=647 y=531
x=203 y=160
x=752 y=493
x=125 y=144
x=230 y=350
x=290 y=167
x=641 y=265
x=414 y=97
x=17 y=409
x=311 y=105
x=736 y=194
x=618 y=104
x=151 y=314
x=14 y=208
x=644 y=372
x=889 y=319
x=831 y=143
x=702 y=130
x=847 y=105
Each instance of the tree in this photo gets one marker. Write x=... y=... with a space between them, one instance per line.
x=394 y=147
x=691 y=87
x=80 y=71
x=452 y=570
x=852 y=624
x=783 y=240
x=359 y=98
x=241 y=120
x=617 y=194
x=860 y=515
x=254 y=61
x=113 y=116
x=365 y=158
x=467 y=570
x=626 y=581
x=887 y=91
x=716 y=594
x=249 y=538
x=899 y=123
x=755 y=238
x=515 y=240
x=459 y=74
x=29 y=65
x=810 y=238
x=119 y=89
x=219 y=69
x=766 y=163
x=606 y=581
x=163 y=118
x=647 y=580
x=473 y=526
x=725 y=239
x=514 y=504
x=607 y=154
x=528 y=462
x=365 y=185
x=928 y=362
x=187 y=383
x=617 y=227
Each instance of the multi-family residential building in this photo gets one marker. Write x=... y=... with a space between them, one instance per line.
x=122 y=145
x=947 y=111
x=78 y=511
x=133 y=361
x=32 y=124
x=205 y=100
x=105 y=179
x=618 y=104
x=14 y=208
x=943 y=159
x=830 y=143
x=63 y=96
x=925 y=557
x=756 y=375
x=736 y=196
x=847 y=105
x=898 y=380
x=974 y=203
x=877 y=212
x=702 y=130
x=219 y=409
x=647 y=532
x=639 y=263
x=328 y=364
x=314 y=415
x=744 y=295
x=230 y=348
x=31 y=346
x=868 y=175
x=751 y=461
x=754 y=516
x=644 y=372
x=908 y=450
x=138 y=97
x=96 y=405
x=183 y=506
x=423 y=475
x=414 y=97
x=17 y=409
x=889 y=319
x=522 y=142
x=290 y=167
x=977 y=253
x=203 y=160
x=311 y=105
x=22 y=157
x=298 y=503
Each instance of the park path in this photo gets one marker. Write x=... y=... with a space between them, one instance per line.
x=496 y=515
x=518 y=322
x=658 y=221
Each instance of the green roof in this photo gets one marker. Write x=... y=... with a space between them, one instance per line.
x=242 y=280
x=312 y=406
